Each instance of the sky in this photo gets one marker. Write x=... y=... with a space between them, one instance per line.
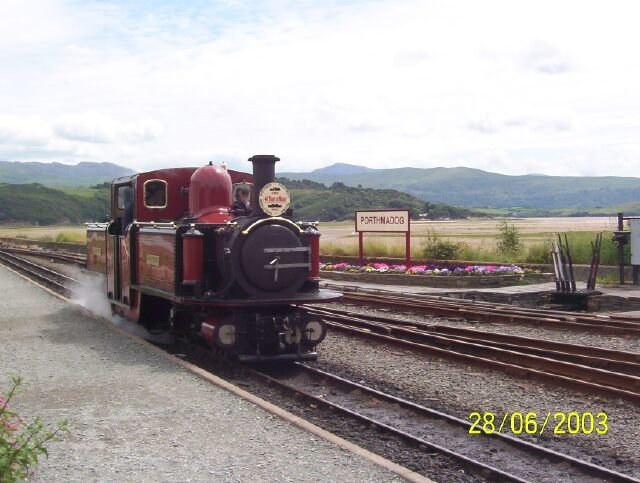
x=513 y=87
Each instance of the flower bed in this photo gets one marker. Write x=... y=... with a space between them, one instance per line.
x=434 y=275
x=437 y=270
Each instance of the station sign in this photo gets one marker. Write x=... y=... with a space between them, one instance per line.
x=382 y=221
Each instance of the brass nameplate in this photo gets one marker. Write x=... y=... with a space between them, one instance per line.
x=153 y=260
x=97 y=251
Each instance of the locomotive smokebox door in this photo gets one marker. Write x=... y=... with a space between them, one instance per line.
x=273 y=259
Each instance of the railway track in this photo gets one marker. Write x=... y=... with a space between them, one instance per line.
x=592 y=369
x=78 y=260
x=50 y=278
x=597 y=356
x=498 y=313
x=608 y=372
x=495 y=456
x=336 y=392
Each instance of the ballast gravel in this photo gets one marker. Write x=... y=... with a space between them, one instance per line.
x=135 y=416
x=460 y=389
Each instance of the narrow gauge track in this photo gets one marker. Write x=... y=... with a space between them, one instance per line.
x=62 y=257
x=598 y=356
x=608 y=372
x=50 y=278
x=501 y=313
x=62 y=284
x=510 y=458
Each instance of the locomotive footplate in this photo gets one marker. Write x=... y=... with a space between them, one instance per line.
x=321 y=296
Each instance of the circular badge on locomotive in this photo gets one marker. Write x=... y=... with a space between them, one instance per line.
x=274 y=199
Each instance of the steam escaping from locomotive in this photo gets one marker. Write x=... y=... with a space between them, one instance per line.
x=214 y=254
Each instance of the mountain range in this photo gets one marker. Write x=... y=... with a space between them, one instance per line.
x=532 y=194
x=58 y=174
x=474 y=188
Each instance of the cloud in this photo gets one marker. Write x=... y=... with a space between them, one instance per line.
x=101 y=129
x=379 y=82
x=85 y=136
x=539 y=125
x=25 y=131
x=483 y=126
x=19 y=17
x=411 y=57
x=545 y=59
x=552 y=126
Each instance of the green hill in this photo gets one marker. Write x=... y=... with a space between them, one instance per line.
x=315 y=201
x=58 y=174
x=474 y=188
x=37 y=204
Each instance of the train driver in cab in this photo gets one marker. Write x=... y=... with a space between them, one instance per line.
x=241 y=205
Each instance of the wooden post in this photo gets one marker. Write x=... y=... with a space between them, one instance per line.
x=360 y=248
x=408 y=246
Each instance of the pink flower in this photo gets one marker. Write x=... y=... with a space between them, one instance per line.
x=10 y=425
x=418 y=268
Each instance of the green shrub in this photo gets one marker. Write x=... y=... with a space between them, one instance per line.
x=21 y=444
x=435 y=248
x=508 y=241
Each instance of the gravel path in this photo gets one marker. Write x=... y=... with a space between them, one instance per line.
x=135 y=416
x=460 y=389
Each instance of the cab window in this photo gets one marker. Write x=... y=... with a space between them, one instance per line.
x=155 y=193
x=242 y=193
x=124 y=197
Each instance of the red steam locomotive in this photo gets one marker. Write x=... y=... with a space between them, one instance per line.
x=180 y=255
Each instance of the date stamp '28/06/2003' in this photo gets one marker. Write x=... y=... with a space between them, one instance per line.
x=558 y=422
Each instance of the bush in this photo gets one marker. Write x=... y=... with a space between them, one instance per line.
x=435 y=248
x=21 y=444
x=508 y=239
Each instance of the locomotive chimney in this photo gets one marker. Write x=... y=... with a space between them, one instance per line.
x=264 y=172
